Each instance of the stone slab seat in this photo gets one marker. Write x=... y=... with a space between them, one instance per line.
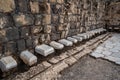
x=28 y=58
x=72 y=39
x=44 y=50
x=78 y=38
x=7 y=63
x=65 y=42
x=84 y=35
x=56 y=45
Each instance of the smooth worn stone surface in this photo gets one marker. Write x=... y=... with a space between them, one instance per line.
x=28 y=58
x=110 y=49
x=72 y=39
x=56 y=45
x=65 y=42
x=7 y=63
x=97 y=55
x=44 y=49
x=78 y=38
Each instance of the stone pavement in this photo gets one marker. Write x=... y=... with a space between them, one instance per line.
x=109 y=50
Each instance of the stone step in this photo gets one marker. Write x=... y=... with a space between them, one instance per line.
x=78 y=38
x=28 y=58
x=72 y=39
x=56 y=45
x=44 y=49
x=65 y=42
x=7 y=63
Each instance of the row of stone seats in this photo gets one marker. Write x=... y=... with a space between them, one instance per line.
x=30 y=59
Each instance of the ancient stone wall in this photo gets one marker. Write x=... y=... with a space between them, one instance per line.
x=113 y=14
x=27 y=23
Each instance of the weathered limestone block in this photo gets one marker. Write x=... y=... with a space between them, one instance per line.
x=23 y=19
x=60 y=1
x=78 y=38
x=44 y=50
x=7 y=5
x=28 y=58
x=72 y=39
x=7 y=63
x=38 y=19
x=34 y=6
x=10 y=48
x=56 y=45
x=84 y=35
x=65 y=42
x=5 y=21
x=36 y=29
x=46 y=19
x=45 y=8
x=47 y=29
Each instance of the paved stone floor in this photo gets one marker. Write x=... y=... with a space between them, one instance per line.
x=109 y=50
x=89 y=68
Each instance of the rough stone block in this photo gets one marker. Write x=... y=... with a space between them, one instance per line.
x=23 y=19
x=44 y=50
x=12 y=33
x=28 y=58
x=7 y=5
x=7 y=63
x=34 y=6
x=24 y=32
x=56 y=45
x=36 y=29
x=47 y=29
x=21 y=45
x=46 y=19
x=5 y=21
x=78 y=38
x=65 y=42
x=72 y=39
x=23 y=6
x=38 y=19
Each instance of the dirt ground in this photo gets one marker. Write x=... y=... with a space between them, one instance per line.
x=89 y=68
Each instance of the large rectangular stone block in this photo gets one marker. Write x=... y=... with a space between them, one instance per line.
x=65 y=42
x=44 y=49
x=7 y=63
x=72 y=39
x=28 y=58
x=56 y=45
x=78 y=38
